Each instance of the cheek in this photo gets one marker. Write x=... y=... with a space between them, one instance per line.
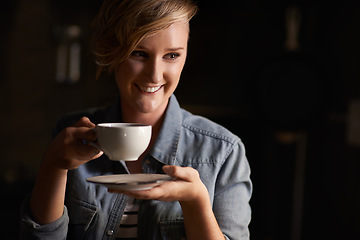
x=126 y=73
x=133 y=68
x=175 y=72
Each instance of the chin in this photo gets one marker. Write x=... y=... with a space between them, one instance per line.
x=152 y=106
x=146 y=108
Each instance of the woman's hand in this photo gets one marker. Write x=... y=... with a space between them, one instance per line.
x=69 y=149
x=187 y=187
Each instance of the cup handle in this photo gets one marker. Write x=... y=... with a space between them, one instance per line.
x=93 y=144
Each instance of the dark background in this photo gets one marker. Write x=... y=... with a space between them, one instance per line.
x=292 y=110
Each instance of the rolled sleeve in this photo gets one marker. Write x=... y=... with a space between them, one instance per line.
x=29 y=229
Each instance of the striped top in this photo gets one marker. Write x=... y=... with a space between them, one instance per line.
x=128 y=223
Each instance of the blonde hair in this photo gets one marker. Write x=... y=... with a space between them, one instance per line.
x=122 y=24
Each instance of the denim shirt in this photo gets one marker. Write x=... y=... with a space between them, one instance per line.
x=91 y=212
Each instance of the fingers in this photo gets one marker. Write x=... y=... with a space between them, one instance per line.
x=73 y=141
x=187 y=186
x=68 y=151
x=84 y=122
x=183 y=173
x=87 y=136
x=156 y=193
x=81 y=137
x=82 y=132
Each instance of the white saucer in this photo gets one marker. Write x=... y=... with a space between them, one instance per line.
x=130 y=182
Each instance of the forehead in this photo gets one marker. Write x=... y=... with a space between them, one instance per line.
x=175 y=36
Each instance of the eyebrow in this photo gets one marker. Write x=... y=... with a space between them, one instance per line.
x=166 y=49
x=174 y=49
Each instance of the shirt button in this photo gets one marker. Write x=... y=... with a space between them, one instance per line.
x=110 y=232
x=147 y=162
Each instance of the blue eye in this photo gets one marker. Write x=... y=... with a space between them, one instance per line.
x=172 y=56
x=138 y=54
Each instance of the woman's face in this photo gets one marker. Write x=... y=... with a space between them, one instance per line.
x=150 y=75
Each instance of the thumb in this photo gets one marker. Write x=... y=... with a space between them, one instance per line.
x=169 y=170
x=184 y=173
x=84 y=122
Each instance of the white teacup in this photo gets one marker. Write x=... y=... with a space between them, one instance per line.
x=123 y=141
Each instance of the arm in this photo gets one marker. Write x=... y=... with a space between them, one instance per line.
x=47 y=198
x=199 y=219
x=66 y=151
x=200 y=222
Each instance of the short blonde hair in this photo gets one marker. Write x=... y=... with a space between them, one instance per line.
x=121 y=24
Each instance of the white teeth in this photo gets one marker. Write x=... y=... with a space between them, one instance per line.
x=149 y=89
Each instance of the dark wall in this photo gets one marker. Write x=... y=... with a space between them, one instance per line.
x=291 y=109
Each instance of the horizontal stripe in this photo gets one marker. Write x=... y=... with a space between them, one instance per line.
x=131 y=219
x=127 y=233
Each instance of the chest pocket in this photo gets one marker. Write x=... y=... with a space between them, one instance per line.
x=172 y=230
x=81 y=215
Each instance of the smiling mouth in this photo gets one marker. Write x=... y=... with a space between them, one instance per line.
x=149 y=89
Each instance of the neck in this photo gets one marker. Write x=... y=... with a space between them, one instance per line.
x=130 y=115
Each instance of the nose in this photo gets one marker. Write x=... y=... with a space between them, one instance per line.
x=155 y=70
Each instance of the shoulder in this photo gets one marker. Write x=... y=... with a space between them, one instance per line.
x=207 y=128
x=204 y=141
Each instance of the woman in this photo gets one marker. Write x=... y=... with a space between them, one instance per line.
x=144 y=43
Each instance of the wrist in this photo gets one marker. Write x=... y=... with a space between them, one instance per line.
x=200 y=201
x=49 y=168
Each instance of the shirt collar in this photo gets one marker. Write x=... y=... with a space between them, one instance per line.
x=165 y=147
